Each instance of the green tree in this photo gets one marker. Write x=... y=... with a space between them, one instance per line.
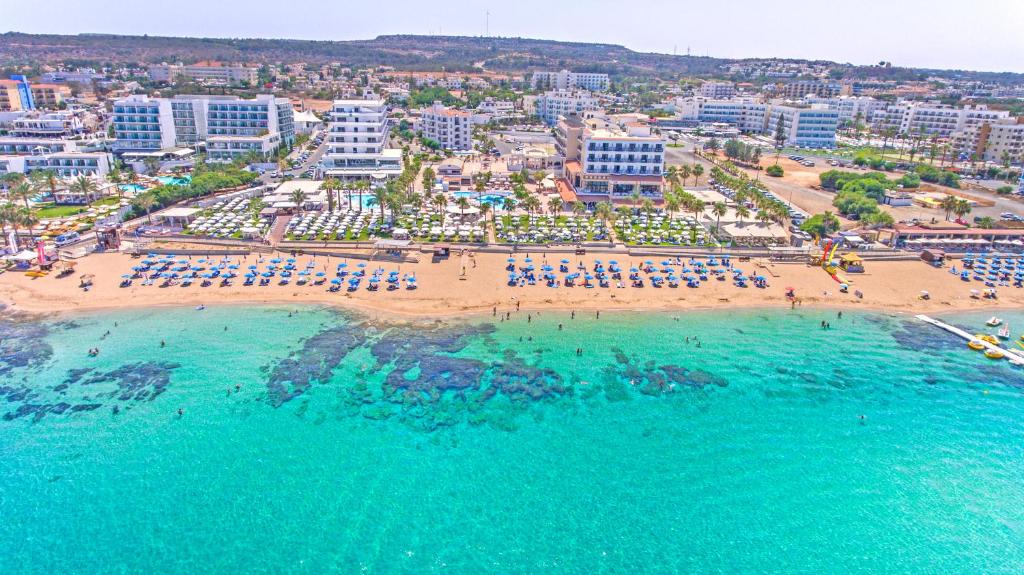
x=719 y=209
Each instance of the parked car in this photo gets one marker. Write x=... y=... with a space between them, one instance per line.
x=65 y=239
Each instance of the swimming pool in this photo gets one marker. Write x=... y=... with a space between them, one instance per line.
x=133 y=187
x=493 y=199
x=179 y=180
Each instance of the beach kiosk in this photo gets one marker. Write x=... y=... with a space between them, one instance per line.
x=851 y=263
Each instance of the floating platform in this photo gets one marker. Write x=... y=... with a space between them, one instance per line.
x=1013 y=356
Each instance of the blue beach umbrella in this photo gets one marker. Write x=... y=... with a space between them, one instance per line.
x=320 y=274
x=511 y=260
x=565 y=261
x=336 y=281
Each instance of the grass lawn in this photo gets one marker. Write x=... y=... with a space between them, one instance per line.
x=55 y=211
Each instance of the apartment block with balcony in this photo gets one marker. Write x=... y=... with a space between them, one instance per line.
x=551 y=105
x=229 y=126
x=16 y=94
x=20 y=146
x=566 y=80
x=66 y=164
x=209 y=73
x=933 y=119
x=451 y=128
x=49 y=96
x=609 y=162
x=997 y=142
x=142 y=124
x=807 y=127
x=47 y=125
x=357 y=136
x=718 y=90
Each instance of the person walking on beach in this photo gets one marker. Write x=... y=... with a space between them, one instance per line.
x=599 y=314
x=529 y=318
x=840 y=315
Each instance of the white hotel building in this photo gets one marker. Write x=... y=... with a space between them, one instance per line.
x=934 y=119
x=551 y=105
x=451 y=128
x=566 y=80
x=229 y=126
x=357 y=138
x=811 y=126
x=605 y=161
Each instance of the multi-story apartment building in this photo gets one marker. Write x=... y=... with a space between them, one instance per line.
x=66 y=164
x=811 y=126
x=497 y=108
x=803 y=88
x=15 y=95
x=79 y=76
x=49 y=96
x=357 y=136
x=203 y=72
x=566 y=80
x=453 y=129
x=718 y=90
x=48 y=125
x=933 y=119
x=998 y=142
x=608 y=162
x=17 y=146
x=747 y=114
x=551 y=105
x=229 y=126
x=805 y=126
x=851 y=108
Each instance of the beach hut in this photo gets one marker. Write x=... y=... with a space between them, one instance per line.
x=851 y=263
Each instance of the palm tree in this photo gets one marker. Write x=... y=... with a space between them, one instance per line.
x=579 y=208
x=23 y=191
x=146 y=202
x=463 y=204
x=671 y=204
x=11 y=180
x=298 y=198
x=485 y=209
x=948 y=204
x=7 y=214
x=428 y=181
x=742 y=212
x=330 y=185
x=684 y=173
x=962 y=208
x=635 y=196
x=45 y=181
x=28 y=219
x=555 y=205
x=152 y=165
x=719 y=209
x=83 y=185
x=508 y=204
x=381 y=196
x=532 y=204
x=672 y=176
x=115 y=177
x=698 y=171
x=605 y=212
x=441 y=203
x=361 y=186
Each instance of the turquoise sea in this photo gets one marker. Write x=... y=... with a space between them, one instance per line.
x=358 y=444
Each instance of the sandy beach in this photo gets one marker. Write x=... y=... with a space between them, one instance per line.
x=445 y=291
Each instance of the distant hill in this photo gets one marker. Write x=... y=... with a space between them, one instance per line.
x=406 y=52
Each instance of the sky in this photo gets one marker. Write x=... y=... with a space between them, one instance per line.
x=973 y=34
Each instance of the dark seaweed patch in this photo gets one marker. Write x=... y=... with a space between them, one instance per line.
x=316 y=360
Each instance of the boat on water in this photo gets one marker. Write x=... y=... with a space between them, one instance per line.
x=1004 y=332
x=976 y=345
x=993 y=321
x=994 y=354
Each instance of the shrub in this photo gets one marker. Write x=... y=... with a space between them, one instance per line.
x=774 y=171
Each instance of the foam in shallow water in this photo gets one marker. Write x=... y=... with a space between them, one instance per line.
x=315 y=441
